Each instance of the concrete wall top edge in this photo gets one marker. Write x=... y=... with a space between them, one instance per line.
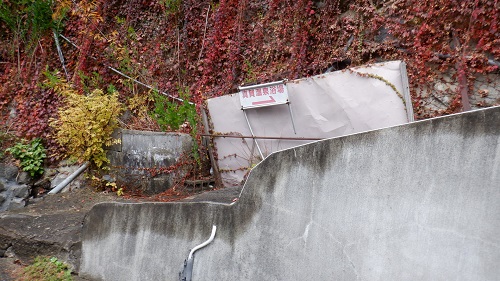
x=454 y=115
x=114 y=203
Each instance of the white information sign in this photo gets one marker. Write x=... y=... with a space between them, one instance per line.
x=263 y=95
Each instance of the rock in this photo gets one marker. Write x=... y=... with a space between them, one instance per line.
x=44 y=183
x=4 y=246
x=9 y=172
x=20 y=191
x=5 y=198
x=65 y=172
x=2 y=187
x=75 y=184
x=49 y=172
x=23 y=178
x=108 y=178
x=9 y=253
x=17 y=203
x=57 y=180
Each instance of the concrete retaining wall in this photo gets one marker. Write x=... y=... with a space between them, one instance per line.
x=143 y=150
x=413 y=202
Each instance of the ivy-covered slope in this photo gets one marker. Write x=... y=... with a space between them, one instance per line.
x=208 y=48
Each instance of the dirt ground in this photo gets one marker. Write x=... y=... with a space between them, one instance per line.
x=50 y=222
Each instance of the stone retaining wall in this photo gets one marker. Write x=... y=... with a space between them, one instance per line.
x=14 y=189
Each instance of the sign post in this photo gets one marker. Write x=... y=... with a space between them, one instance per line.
x=263 y=95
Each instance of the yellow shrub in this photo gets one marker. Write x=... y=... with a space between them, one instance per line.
x=86 y=123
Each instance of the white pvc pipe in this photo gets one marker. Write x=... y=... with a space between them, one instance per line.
x=214 y=228
x=69 y=179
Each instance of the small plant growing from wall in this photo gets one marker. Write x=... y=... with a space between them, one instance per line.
x=176 y=116
x=86 y=123
x=30 y=156
x=171 y=115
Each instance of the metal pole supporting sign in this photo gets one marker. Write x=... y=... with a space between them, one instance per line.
x=253 y=136
x=263 y=95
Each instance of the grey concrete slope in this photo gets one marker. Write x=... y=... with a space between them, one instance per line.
x=413 y=202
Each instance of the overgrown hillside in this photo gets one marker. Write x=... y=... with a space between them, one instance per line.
x=202 y=49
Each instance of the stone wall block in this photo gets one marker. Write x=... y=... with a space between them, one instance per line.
x=23 y=178
x=8 y=172
x=20 y=191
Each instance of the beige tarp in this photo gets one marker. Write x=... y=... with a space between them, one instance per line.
x=324 y=106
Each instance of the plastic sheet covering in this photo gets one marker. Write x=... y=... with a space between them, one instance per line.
x=324 y=106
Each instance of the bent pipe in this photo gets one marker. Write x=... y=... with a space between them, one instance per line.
x=69 y=179
x=187 y=271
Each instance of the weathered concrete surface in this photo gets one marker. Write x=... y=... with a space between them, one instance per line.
x=49 y=227
x=140 y=151
x=413 y=202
